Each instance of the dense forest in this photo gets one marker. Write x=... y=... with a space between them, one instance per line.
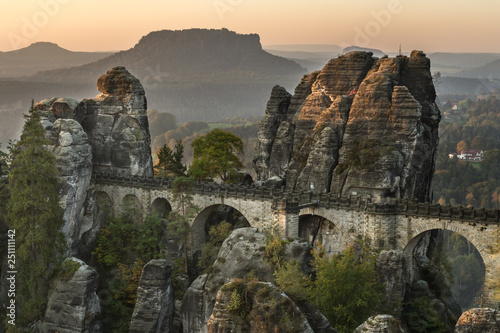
x=469 y=125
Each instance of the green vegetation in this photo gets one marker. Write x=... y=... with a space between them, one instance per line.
x=422 y=318
x=33 y=211
x=68 y=269
x=169 y=162
x=217 y=234
x=179 y=219
x=345 y=288
x=215 y=155
x=123 y=248
x=262 y=305
x=476 y=124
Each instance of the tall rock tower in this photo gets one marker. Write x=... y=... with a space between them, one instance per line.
x=361 y=125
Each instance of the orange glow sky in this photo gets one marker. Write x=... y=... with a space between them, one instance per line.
x=110 y=25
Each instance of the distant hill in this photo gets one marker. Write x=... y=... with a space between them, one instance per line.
x=184 y=55
x=456 y=64
x=376 y=52
x=490 y=70
x=309 y=48
x=42 y=56
x=196 y=74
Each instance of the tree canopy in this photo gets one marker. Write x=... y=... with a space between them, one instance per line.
x=170 y=161
x=33 y=211
x=215 y=155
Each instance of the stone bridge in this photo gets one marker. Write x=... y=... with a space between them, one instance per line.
x=386 y=225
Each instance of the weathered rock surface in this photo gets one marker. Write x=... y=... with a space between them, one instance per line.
x=107 y=133
x=361 y=125
x=241 y=253
x=262 y=308
x=380 y=324
x=73 y=305
x=73 y=153
x=479 y=320
x=117 y=125
x=391 y=267
x=154 y=309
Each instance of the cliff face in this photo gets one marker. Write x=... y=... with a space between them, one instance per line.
x=361 y=125
x=107 y=133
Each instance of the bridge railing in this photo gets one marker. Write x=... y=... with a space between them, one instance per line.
x=306 y=198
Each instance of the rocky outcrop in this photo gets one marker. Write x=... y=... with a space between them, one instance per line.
x=107 y=133
x=380 y=324
x=73 y=305
x=479 y=320
x=73 y=153
x=361 y=125
x=255 y=307
x=391 y=267
x=117 y=125
x=241 y=253
x=154 y=309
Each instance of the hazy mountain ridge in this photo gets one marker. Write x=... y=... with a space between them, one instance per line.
x=194 y=53
x=42 y=56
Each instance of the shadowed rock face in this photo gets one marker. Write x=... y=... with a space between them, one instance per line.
x=361 y=125
x=107 y=133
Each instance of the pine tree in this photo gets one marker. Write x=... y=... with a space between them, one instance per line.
x=33 y=211
x=183 y=188
x=170 y=161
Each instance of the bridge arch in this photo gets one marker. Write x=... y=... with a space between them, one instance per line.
x=104 y=201
x=199 y=224
x=480 y=236
x=333 y=229
x=161 y=206
x=130 y=202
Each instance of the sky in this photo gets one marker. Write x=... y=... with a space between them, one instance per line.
x=112 y=25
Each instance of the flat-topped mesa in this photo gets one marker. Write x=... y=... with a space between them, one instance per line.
x=361 y=125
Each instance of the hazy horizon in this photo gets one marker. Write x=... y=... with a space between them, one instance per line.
x=447 y=26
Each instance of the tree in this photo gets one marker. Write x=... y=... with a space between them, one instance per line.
x=462 y=146
x=346 y=289
x=34 y=213
x=179 y=220
x=170 y=161
x=215 y=155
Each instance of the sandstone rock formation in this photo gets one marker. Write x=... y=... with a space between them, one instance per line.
x=391 y=267
x=255 y=307
x=107 y=133
x=241 y=253
x=73 y=304
x=154 y=309
x=380 y=324
x=73 y=153
x=361 y=125
x=479 y=320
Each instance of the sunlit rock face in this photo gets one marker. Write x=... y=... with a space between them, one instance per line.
x=361 y=125
x=477 y=320
x=117 y=125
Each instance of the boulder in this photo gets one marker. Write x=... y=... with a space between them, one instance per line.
x=479 y=320
x=242 y=257
x=154 y=309
x=255 y=307
x=73 y=305
x=380 y=324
